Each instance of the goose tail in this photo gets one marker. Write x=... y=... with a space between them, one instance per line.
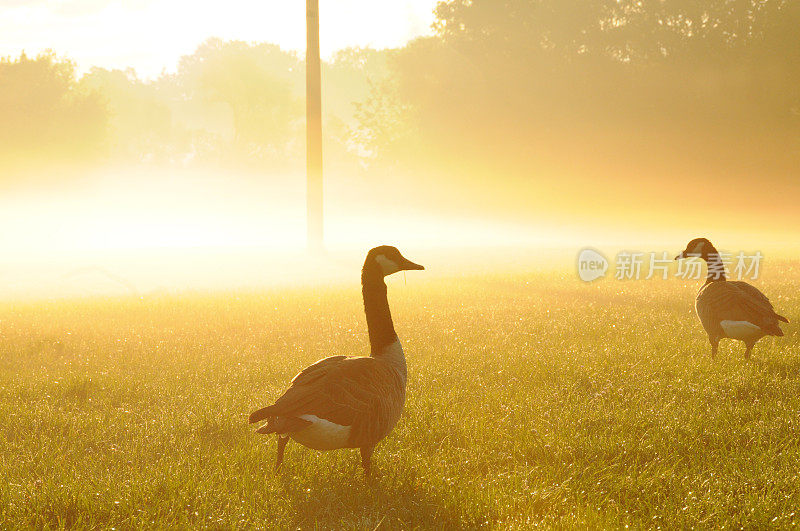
x=773 y=329
x=261 y=414
x=267 y=428
x=275 y=423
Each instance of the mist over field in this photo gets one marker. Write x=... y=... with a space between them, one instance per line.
x=571 y=122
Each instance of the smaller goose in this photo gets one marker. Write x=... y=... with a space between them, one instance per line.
x=728 y=308
x=349 y=402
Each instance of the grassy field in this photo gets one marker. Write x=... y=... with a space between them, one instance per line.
x=533 y=400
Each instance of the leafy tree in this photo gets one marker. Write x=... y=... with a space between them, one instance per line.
x=255 y=83
x=140 y=120
x=46 y=114
x=626 y=79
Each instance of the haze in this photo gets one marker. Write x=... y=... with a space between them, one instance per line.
x=161 y=145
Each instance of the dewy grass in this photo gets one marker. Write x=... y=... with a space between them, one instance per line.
x=532 y=400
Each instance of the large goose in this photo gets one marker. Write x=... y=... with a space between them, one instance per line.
x=349 y=402
x=729 y=308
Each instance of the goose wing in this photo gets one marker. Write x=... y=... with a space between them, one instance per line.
x=756 y=294
x=306 y=377
x=364 y=393
x=317 y=370
x=751 y=291
x=735 y=301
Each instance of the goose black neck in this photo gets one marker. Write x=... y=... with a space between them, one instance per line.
x=716 y=269
x=376 y=307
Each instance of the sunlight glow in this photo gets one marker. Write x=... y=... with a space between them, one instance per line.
x=187 y=211
x=139 y=231
x=151 y=36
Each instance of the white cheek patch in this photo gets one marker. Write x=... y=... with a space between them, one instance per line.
x=740 y=329
x=698 y=249
x=387 y=265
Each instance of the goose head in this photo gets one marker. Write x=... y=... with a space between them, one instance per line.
x=386 y=260
x=699 y=247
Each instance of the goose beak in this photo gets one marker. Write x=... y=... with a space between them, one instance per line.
x=682 y=255
x=408 y=265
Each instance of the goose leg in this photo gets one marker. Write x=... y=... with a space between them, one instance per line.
x=366 y=460
x=747 y=352
x=714 y=347
x=282 y=441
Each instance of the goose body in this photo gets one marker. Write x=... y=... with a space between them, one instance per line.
x=730 y=309
x=343 y=401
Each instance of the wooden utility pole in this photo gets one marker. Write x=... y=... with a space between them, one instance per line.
x=313 y=128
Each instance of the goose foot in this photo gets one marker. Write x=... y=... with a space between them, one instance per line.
x=282 y=442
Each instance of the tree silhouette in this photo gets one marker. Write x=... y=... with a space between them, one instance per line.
x=256 y=83
x=701 y=83
x=45 y=113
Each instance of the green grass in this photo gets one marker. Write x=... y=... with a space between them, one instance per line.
x=532 y=400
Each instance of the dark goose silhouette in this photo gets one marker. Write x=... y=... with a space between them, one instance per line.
x=730 y=308
x=343 y=401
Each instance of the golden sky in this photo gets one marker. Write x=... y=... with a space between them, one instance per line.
x=150 y=35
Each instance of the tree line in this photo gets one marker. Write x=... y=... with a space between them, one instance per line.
x=230 y=103
x=681 y=86
x=688 y=84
